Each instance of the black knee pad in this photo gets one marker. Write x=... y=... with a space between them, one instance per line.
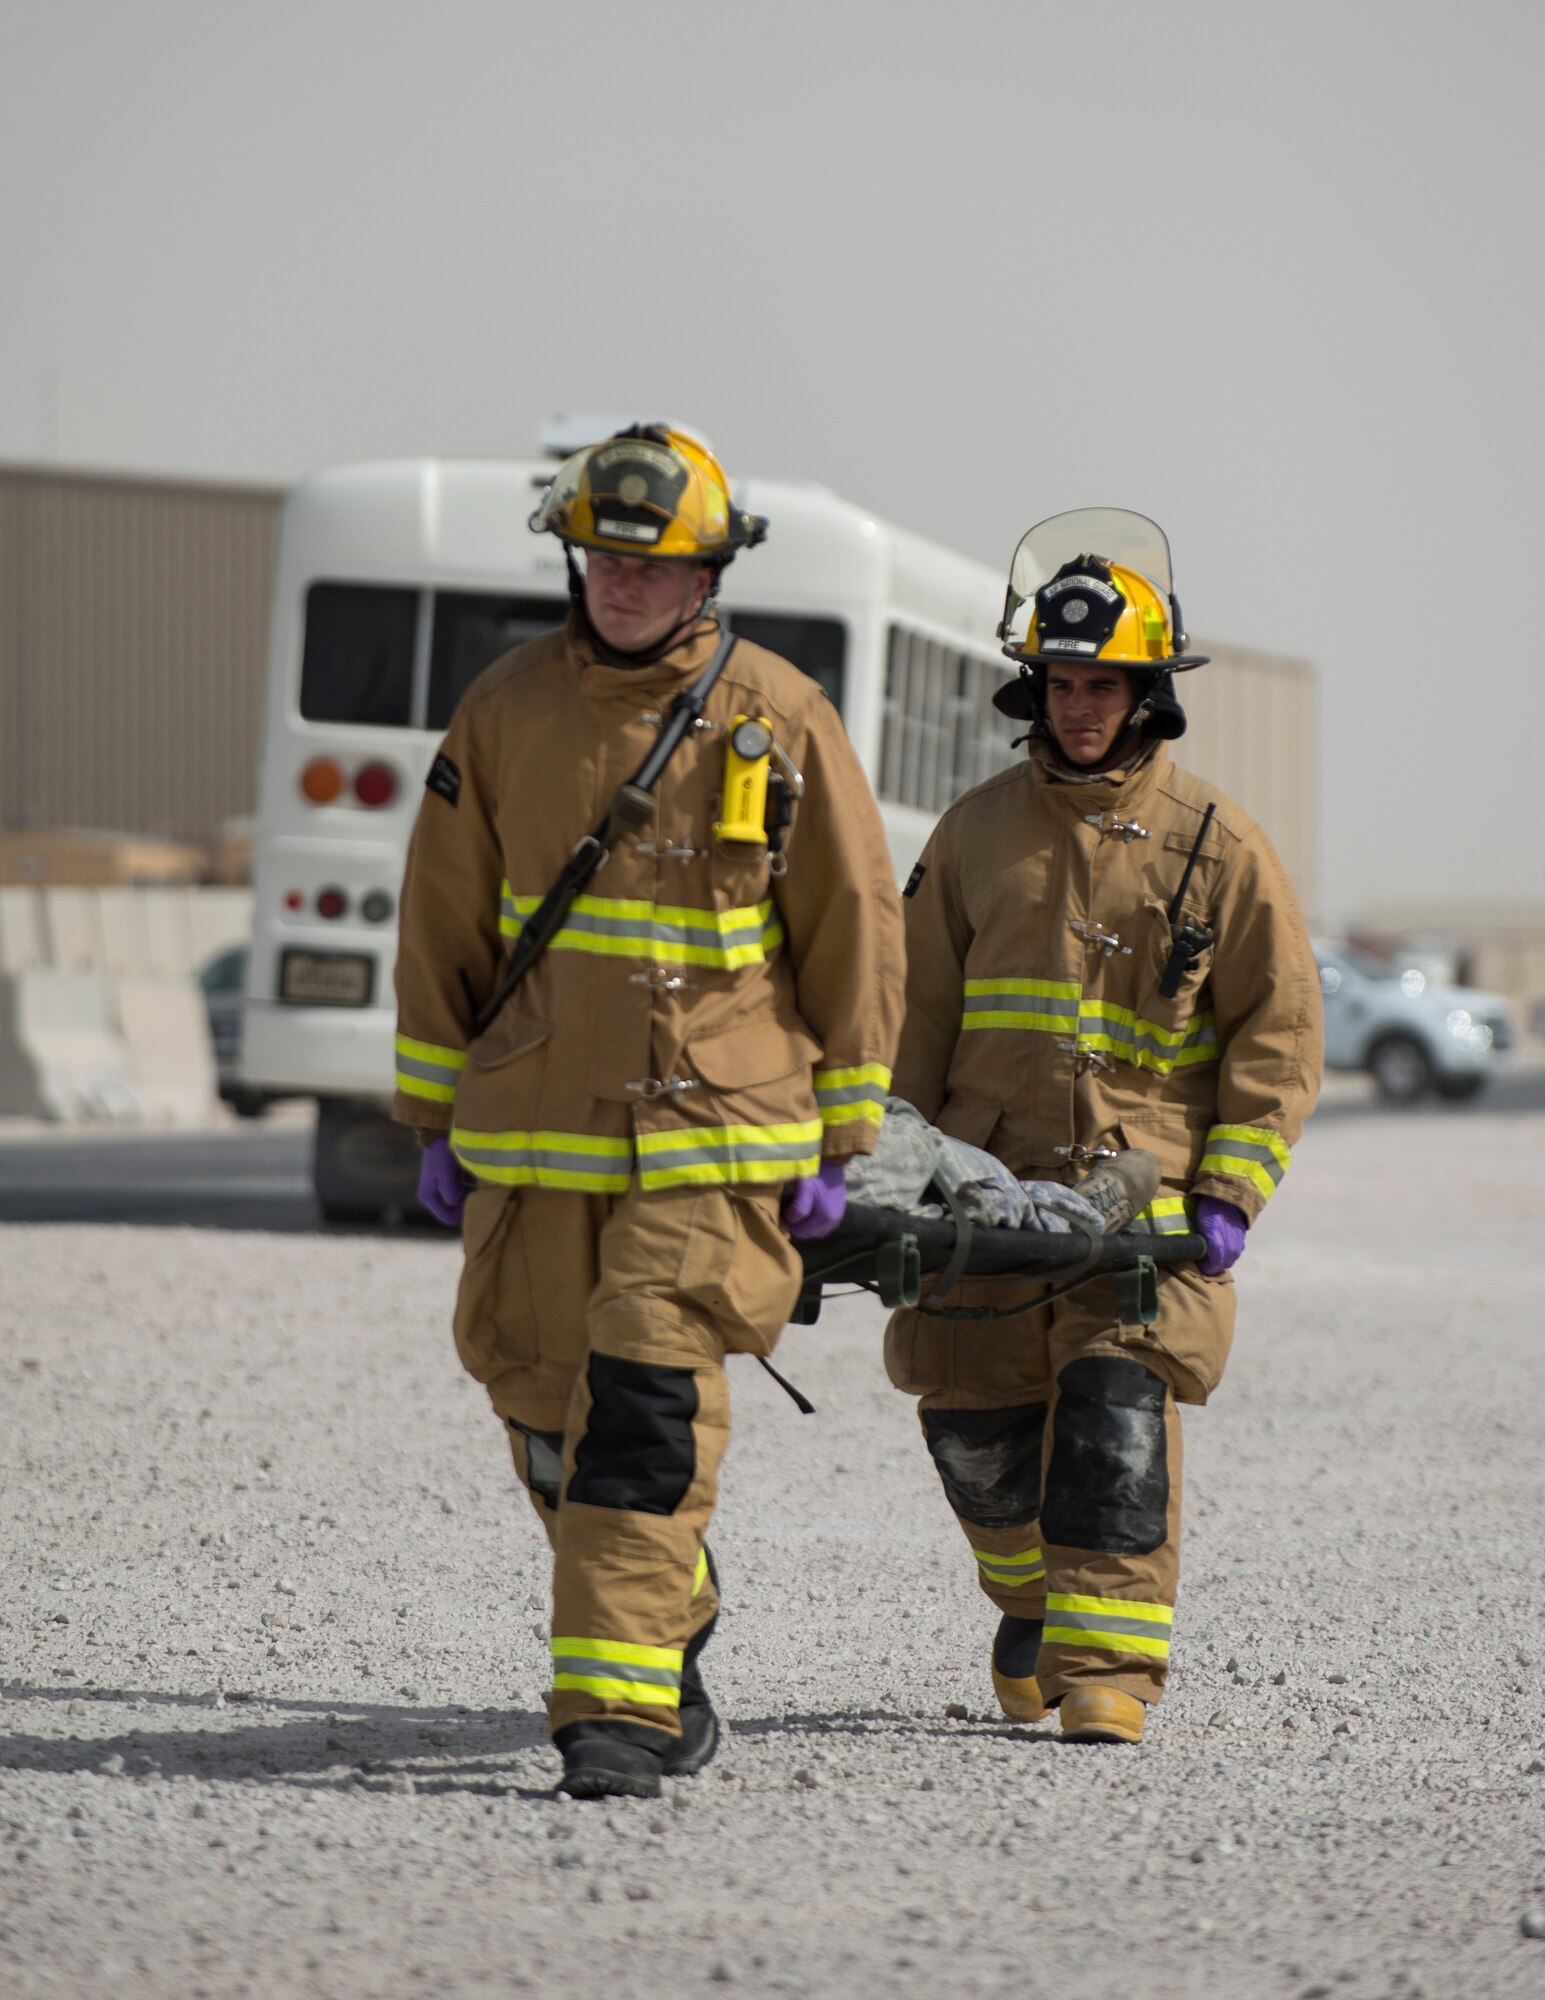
x=1107 y=1486
x=638 y=1452
x=989 y=1461
x=544 y=1461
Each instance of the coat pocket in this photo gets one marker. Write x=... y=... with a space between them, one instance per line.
x=501 y=1087
x=760 y=1049
x=495 y=1321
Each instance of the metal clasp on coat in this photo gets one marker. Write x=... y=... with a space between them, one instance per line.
x=703 y=722
x=1087 y=1053
x=1097 y=935
x=662 y=982
x=650 y=1087
x=1109 y=822
x=1080 y=1156
x=669 y=850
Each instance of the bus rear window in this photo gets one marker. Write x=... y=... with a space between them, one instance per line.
x=817 y=646
x=472 y=632
x=358 y=660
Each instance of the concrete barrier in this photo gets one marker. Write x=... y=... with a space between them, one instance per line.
x=23 y=941
x=171 y=1059
x=101 y=1015
x=61 y=1053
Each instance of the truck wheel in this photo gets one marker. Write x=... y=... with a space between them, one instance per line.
x=362 y=1164
x=1459 y=1089
x=1400 y=1068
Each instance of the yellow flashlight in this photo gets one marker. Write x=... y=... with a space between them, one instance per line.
x=745 y=780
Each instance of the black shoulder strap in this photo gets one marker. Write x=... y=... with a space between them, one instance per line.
x=632 y=807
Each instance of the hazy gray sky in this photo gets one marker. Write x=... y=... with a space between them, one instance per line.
x=1271 y=274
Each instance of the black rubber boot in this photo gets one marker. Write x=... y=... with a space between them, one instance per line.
x=699 y=1723
x=610 y=1761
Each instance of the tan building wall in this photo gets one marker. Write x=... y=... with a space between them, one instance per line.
x=133 y=631
x=133 y=626
x=1252 y=729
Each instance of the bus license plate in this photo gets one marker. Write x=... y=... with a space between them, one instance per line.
x=326 y=978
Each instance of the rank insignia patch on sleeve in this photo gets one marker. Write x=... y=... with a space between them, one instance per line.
x=914 y=879
x=444 y=778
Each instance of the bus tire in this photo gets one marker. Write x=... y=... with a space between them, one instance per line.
x=362 y=1165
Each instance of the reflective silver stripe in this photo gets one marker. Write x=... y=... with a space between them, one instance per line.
x=618 y=1670
x=1241 y=1149
x=1021 y=1000
x=428 y=1071
x=566 y=1159
x=683 y=1153
x=1091 y=1621
x=850 y=1093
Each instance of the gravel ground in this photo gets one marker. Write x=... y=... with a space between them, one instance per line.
x=272 y=1625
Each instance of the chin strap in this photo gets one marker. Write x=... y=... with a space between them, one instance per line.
x=648 y=656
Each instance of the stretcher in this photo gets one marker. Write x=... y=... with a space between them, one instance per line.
x=890 y=1253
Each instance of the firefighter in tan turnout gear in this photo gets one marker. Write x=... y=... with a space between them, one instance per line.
x=1103 y=952
x=708 y=1032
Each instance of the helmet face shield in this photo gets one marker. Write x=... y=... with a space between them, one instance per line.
x=653 y=493
x=1111 y=533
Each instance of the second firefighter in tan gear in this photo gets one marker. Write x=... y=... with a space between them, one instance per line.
x=1060 y=1007
x=715 y=1019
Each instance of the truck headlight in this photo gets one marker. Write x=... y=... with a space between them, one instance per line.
x=1469 y=1033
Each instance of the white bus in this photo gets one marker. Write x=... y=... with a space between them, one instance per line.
x=397 y=584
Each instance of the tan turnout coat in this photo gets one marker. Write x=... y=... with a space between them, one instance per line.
x=1030 y=1032
x=697 y=1021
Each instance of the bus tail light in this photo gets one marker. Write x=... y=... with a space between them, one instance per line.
x=322 y=780
x=375 y=784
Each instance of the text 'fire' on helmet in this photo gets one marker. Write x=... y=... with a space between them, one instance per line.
x=1095 y=585
x=651 y=490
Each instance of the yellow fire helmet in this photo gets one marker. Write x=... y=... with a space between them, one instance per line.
x=652 y=490
x=1092 y=585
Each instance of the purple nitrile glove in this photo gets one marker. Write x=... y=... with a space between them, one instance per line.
x=441 y=1187
x=1225 y=1229
x=813 y=1207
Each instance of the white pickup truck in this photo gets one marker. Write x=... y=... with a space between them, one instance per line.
x=1408 y=1032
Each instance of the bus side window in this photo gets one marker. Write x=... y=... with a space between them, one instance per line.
x=358 y=660
x=817 y=646
x=471 y=632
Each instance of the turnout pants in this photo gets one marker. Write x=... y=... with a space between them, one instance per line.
x=599 y=1326
x=1056 y=1436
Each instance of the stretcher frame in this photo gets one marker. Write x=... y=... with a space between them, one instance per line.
x=889 y=1252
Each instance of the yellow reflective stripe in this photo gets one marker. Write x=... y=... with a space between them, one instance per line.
x=728 y=1155
x=1054 y=1007
x=1249 y=1152
x=1010 y=1003
x=622 y=1650
x=1113 y=1607
x=425 y=1069
x=631 y=927
x=572 y=1160
x=606 y=1689
x=1165 y=1215
x=431 y=1052
x=1109 y=1642
x=1027 y=1567
x=415 y=1086
x=700 y=1574
x=1111 y=1624
x=845 y=1096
